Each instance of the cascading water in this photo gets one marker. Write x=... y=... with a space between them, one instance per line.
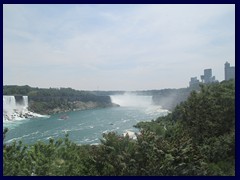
x=15 y=109
x=9 y=103
x=138 y=101
x=9 y=107
x=25 y=101
x=132 y=100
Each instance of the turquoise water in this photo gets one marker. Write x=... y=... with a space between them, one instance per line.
x=84 y=127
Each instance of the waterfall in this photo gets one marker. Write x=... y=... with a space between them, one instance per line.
x=132 y=100
x=138 y=101
x=13 y=110
x=25 y=101
x=9 y=103
x=16 y=108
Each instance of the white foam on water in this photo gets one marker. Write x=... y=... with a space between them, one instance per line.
x=95 y=144
x=106 y=131
x=156 y=110
x=131 y=134
x=24 y=136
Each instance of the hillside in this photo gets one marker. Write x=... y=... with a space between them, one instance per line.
x=53 y=100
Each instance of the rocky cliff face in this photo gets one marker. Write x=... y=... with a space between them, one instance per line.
x=79 y=105
x=48 y=108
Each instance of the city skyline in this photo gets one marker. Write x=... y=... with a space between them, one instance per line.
x=115 y=47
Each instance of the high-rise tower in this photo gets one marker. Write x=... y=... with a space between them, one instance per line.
x=229 y=71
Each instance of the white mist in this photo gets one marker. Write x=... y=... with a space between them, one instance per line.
x=131 y=100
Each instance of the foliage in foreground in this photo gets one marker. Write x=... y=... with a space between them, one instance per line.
x=197 y=138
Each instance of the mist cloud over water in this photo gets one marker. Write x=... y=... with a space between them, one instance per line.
x=132 y=100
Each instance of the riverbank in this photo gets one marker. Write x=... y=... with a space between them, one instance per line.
x=67 y=106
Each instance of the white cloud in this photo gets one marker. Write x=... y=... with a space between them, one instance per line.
x=128 y=46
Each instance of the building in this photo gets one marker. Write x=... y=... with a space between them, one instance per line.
x=229 y=71
x=194 y=82
x=207 y=77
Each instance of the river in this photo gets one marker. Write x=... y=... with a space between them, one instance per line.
x=83 y=127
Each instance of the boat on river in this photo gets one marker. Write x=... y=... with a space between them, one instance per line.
x=64 y=117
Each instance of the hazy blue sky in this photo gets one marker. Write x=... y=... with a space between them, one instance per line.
x=115 y=47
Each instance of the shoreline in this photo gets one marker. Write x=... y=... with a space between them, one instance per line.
x=28 y=113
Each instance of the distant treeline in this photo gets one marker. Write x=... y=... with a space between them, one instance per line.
x=107 y=93
x=48 y=101
x=170 y=98
x=167 y=98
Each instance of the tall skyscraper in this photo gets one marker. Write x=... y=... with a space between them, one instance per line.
x=207 y=77
x=229 y=71
x=194 y=82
